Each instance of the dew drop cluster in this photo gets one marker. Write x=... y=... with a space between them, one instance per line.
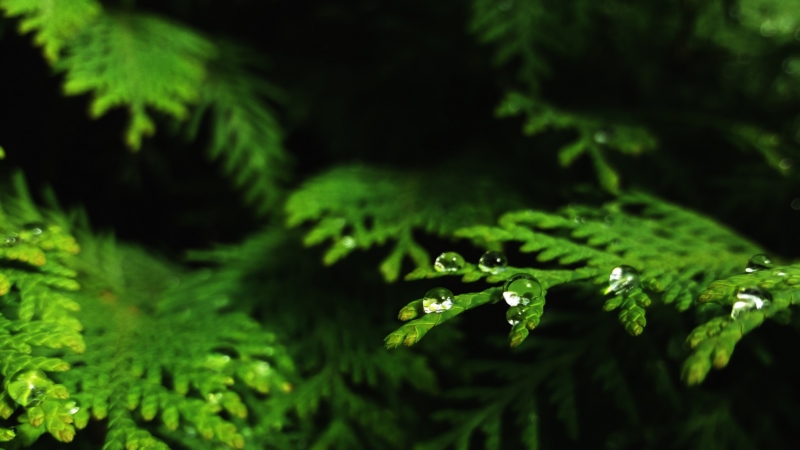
x=491 y=262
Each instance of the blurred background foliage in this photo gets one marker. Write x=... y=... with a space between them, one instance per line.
x=696 y=101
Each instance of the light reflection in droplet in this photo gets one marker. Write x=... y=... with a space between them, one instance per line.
x=348 y=242
x=786 y=163
x=796 y=204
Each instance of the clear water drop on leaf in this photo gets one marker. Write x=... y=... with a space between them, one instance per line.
x=10 y=240
x=515 y=315
x=750 y=298
x=622 y=279
x=437 y=300
x=521 y=289
x=758 y=262
x=28 y=387
x=449 y=262
x=493 y=262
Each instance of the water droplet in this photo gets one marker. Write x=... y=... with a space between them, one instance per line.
x=795 y=204
x=750 y=298
x=437 y=300
x=348 y=242
x=602 y=137
x=521 y=289
x=622 y=279
x=494 y=262
x=515 y=315
x=28 y=387
x=449 y=262
x=758 y=262
x=35 y=228
x=72 y=407
x=786 y=164
x=11 y=240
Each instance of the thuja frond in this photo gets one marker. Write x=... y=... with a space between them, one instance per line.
x=158 y=347
x=139 y=62
x=244 y=130
x=54 y=22
x=37 y=322
x=348 y=384
x=714 y=341
x=673 y=257
x=595 y=136
x=359 y=207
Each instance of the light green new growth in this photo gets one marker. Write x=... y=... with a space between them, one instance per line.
x=140 y=62
x=37 y=322
x=54 y=22
x=359 y=207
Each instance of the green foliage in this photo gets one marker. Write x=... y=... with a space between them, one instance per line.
x=55 y=22
x=594 y=135
x=137 y=61
x=676 y=252
x=38 y=321
x=245 y=131
x=359 y=207
x=254 y=345
x=349 y=384
x=147 y=340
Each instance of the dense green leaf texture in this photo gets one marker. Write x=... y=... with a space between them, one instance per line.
x=349 y=383
x=137 y=61
x=159 y=348
x=146 y=340
x=55 y=22
x=359 y=207
x=38 y=326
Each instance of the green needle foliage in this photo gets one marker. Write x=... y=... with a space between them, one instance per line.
x=639 y=169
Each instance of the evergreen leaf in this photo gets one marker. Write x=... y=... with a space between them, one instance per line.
x=138 y=61
x=244 y=130
x=55 y=22
x=360 y=207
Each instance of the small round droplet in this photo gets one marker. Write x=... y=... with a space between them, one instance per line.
x=449 y=262
x=348 y=242
x=437 y=300
x=758 y=262
x=515 y=315
x=28 y=387
x=622 y=279
x=494 y=262
x=35 y=228
x=521 y=289
x=10 y=240
x=750 y=298
x=602 y=137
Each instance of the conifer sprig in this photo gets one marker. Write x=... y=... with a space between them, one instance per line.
x=139 y=62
